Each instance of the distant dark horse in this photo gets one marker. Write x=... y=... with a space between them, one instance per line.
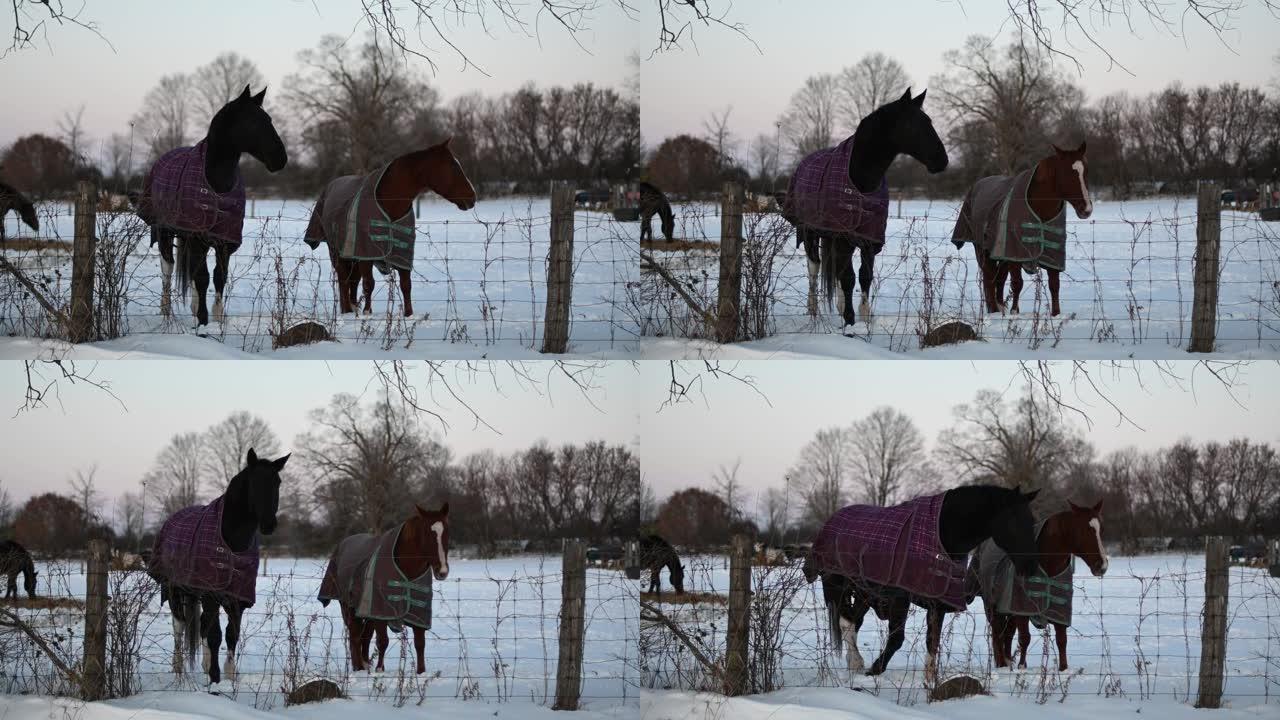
x=1074 y=532
x=11 y=199
x=384 y=224
x=831 y=231
x=653 y=201
x=381 y=579
x=655 y=553
x=205 y=557
x=196 y=195
x=1009 y=232
x=15 y=559
x=919 y=552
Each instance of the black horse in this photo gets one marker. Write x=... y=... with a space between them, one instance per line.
x=656 y=552
x=653 y=201
x=898 y=127
x=15 y=559
x=969 y=515
x=11 y=199
x=241 y=126
x=249 y=506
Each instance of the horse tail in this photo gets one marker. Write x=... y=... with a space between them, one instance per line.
x=827 y=269
x=184 y=270
x=191 y=607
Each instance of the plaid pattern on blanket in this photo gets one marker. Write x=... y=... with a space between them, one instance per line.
x=176 y=194
x=821 y=196
x=998 y=219
x=362 y=574
x=896 y=546
x=349 y=218
x=189 y=552
x=1041 y=598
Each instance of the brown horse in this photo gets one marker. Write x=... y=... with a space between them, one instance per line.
x=417 y=546
x=397 y=185
x=11 y=199
x=1070 y=533
x=1061 y=177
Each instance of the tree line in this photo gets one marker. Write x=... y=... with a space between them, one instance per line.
x=1152 y=498
x=348 y=108
x=359 y=467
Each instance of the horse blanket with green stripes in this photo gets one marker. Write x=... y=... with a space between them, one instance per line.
x=1041 y=598
x=997 y=218
x=349 y=218
x=363 y=575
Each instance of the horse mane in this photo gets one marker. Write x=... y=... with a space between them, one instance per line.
x=410 y=541
x=871 y=156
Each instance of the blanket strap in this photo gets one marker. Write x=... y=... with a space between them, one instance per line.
x=409 y=585
x=1041 y=239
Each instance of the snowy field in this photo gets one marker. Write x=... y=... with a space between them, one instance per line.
x=479 y=288
x=1127 y=291
x=1134 y=640
x=493 y=644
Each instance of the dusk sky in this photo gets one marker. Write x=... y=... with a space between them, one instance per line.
x=684 y=445
x=164 y=398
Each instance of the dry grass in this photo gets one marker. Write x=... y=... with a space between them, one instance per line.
x=44 y=603
x=679 y=245
x=689 y=598
x=30 y=244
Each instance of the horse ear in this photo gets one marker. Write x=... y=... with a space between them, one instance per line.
x=1083 y=143
x=444 y=509
x=1057 y=149
x=918 y=102
x=251 y=458
x=257 y=99
x=279 y=464
x=906 y=96
x=244 y=95
x=1098 y=508
x=1075 y=507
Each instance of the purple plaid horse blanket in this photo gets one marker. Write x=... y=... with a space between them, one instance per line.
x=998 y=219
x=821 y=196
x=363 y=575
x=896 y=546
x=176 y=194
x=349 y=218
x=190 y=552
x=1041 y=598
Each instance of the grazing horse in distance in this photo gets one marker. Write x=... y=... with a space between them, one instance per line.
x=655 y=553
x=369 y=220
x=654 y=201
x=15 y=559
x=1044 y=598
x=1019 y=222
x=196 y=195
x=11 y=199
x=386 y=579
x=205 y=558
x=887 y=558
x=838 y=199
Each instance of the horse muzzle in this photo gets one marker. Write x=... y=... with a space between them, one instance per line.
x=438 y=573
x=1083 y=211
x=267 y=526
x=465 y=204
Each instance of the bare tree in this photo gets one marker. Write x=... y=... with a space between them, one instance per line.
x=164 y=120
x=887 y=454
x=71 y=127
x=174 y=480
x=85 y=491
x=227 y=443
x=117 y=159
x=6 y=506
x=775 y=509
x=764 y=158
x=729 y=487
x=716 y=127
x=32 y=19
x=866 y=85
x=220 y=81
x=809 y=122
x=130 y=509
x=822 y=473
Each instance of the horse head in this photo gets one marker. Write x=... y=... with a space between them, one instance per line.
x=1012 y=528
x=246 y=127
x=1070 y=173
x=913 y=133
x=262 y=489
x=29 y=578
x=1083 y=532
x=447 y=178
x=429 y=538
x=27 y=211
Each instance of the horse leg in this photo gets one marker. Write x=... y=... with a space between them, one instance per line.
x=866 y=272
x=366 y=274
x=179 y=637
x=1053 y=292
x=1060 y=634
x=199 y=272
x=897 y=633
x=932 y=640
x=221 y=258
x=235 y=611
x=355 y=628
x=993 y=629
x=815 y=265
x=381 y=631
x=420 y=647
x=1024 y=641
x=844 y=271
x=211 y=630
x=406 y=289
x=986 y=279
x=1015 y=291
x=646 y=228
x=997 y=286
x=164 y=238
x=655 y=582
x=849 y=634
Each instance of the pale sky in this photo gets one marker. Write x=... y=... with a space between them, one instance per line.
x=684 y=445
x=43 y=447
x=152 y=38
x=681 y=89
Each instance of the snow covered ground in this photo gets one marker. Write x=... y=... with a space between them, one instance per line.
x=1126 y=293
x=1134 y=642
x=479 y=288
x=493 y=644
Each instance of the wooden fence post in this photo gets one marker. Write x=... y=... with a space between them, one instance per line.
x=1204 y=306
x=1213 y=633
x=82 y=256
x=555 y=331
x=573 y=603
x=94 y=677
x=736 y=633
x=730 y=288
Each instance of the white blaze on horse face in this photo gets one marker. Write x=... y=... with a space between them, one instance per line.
x=1078 y=166
x=1097 y=533
x=438 y=528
